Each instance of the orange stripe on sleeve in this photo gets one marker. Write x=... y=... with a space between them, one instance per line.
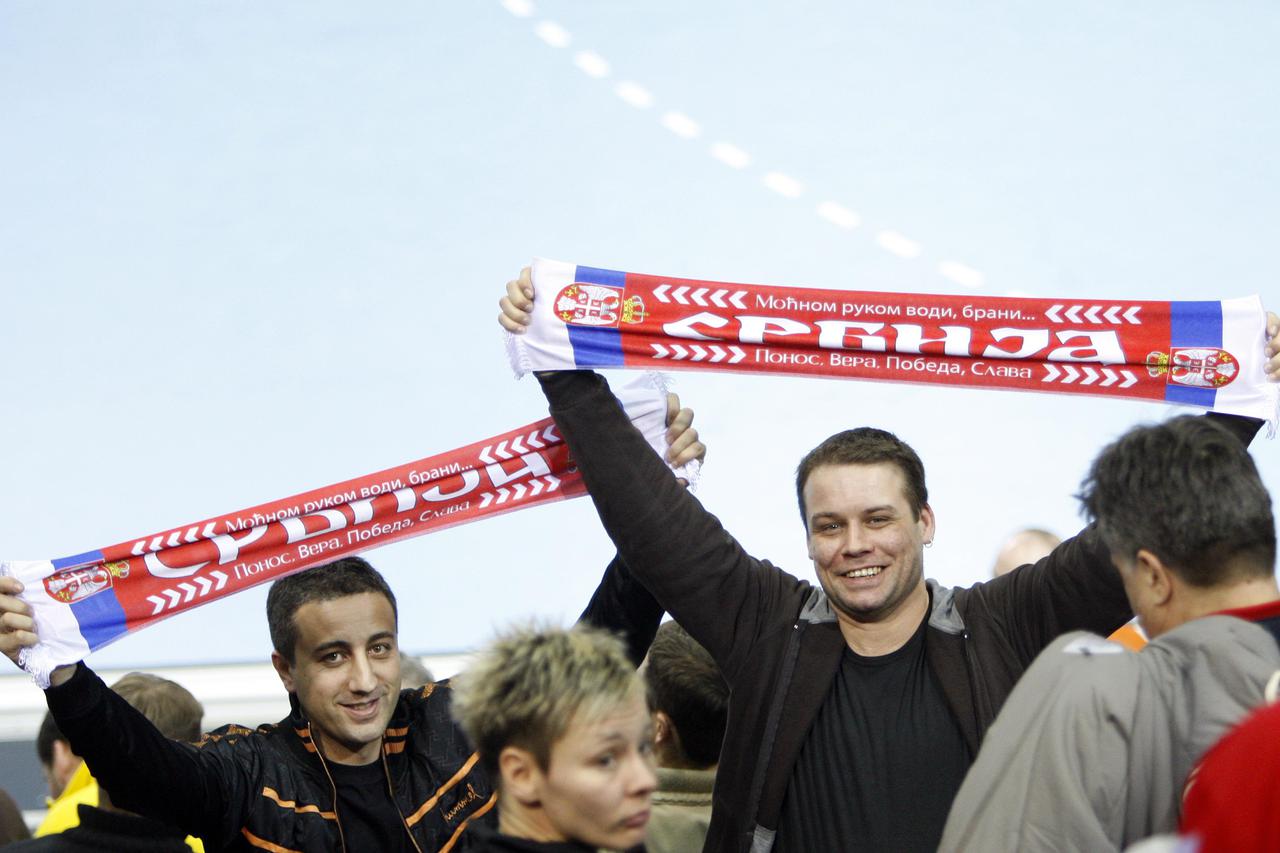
x=306 y=808
x=263 y=844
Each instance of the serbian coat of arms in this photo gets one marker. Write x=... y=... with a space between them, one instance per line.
x=79 y=584
x=1197 y=367
x=597 y=305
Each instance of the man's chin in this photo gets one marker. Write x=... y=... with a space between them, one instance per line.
x=861 y=608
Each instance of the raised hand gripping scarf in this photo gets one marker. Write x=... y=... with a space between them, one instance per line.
x=83 y=602
x=1207 y=354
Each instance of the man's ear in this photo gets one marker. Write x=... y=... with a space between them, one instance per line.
x=929 y=528
x=521 y=776
x=664 y=732
x=62 y=753
x=64 y=763
x=284 y=669
x=1154 y=576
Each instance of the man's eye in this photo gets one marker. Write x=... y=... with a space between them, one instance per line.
x=381 y=649
x=332 y=657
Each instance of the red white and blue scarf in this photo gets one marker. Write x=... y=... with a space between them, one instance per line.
x=85 y=601
x=1207 y=354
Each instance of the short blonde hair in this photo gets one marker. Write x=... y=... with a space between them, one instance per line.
x=526 y=688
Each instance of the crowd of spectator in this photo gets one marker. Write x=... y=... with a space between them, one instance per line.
x=872 y=710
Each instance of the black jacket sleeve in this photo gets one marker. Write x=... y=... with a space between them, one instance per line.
x=698 y=573
x=1245 y=429
x=1074 y=588
x=144 y=771
x=623 y=605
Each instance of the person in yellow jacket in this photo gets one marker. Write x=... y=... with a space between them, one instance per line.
x=81 y=789
x=167 y=704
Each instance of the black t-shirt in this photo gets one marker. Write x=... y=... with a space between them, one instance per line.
x=366 y=812
x=881 y=763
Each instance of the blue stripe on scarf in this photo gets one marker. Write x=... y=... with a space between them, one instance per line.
x=1194 y=324
x=78 y=559
x=596 y=346
x=101 y=618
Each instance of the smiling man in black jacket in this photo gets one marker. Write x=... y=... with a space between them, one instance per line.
x=858 y=704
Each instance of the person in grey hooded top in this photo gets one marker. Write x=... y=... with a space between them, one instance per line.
x=1092 y=748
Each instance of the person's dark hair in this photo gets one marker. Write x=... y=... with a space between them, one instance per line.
x=866 y=446
x=684 y=683
x=348 y=576
x=167 y=704
x=1187 y=491
x=49 y=732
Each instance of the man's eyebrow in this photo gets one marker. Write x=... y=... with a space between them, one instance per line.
x=331 y=645
x=831 y=513
x=382 y=635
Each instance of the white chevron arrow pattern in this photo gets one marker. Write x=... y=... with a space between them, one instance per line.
x=1094 y=314
x=702 y=296
x=548 y=483
x=187 y=591
x=695 y=352
x=176 y=537
x=511 y=448
x=1067 y=374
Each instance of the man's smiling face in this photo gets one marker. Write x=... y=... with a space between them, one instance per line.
x=345 y=672
x=866 y=544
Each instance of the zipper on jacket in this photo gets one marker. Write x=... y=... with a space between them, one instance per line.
x=973 y=686
x=772 y=722
x=337 y=818
x=386 y=769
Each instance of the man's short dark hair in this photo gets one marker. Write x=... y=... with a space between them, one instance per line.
x=167 y=704
x=348 y=576
x=685 y=684
x=1187 y=491
x=49 y=732
x=866 y=446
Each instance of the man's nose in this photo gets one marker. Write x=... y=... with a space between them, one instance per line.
x=361 y=675
x=855 y=541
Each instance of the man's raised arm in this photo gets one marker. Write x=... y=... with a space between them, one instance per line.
x=1076 y=587
x=142 y=770
x=677 y=549
x=621 y=603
